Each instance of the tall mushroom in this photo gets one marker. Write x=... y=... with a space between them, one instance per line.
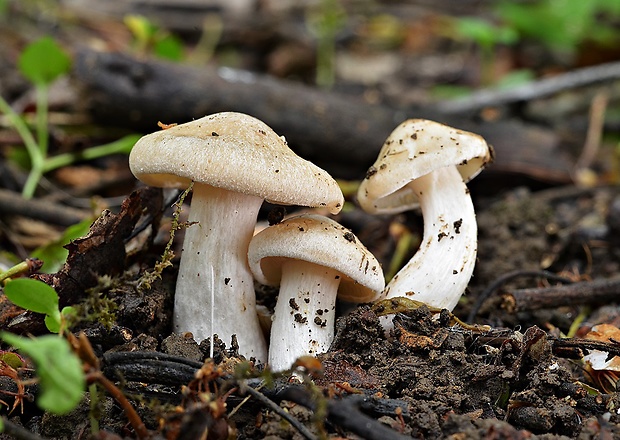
x=313 y=259
x=235 y=162
x=427 y=163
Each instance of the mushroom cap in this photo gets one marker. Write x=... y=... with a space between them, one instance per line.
x=416 y=148
x=322 y=241
x=236 y=152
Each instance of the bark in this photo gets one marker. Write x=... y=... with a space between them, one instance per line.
x=600 y=291
x=340 y=133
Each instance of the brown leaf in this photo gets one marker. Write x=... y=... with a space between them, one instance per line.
x=102 y=250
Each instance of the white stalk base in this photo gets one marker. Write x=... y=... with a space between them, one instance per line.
x=215 y=288
x=440 y=270
x=305 y=313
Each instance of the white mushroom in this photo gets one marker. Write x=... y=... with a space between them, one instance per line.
x=235 y=161
x=427 y=163
x=313 y=259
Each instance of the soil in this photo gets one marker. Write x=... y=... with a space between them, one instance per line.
x=513 y=372
x=429 y=378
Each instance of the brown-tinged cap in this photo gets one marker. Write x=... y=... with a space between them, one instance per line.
x=414 y=149
x=322 y=241
x=236 y=152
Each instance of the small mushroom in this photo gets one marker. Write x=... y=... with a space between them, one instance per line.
x=235 y=161
x=427 y=164
x=313 y=259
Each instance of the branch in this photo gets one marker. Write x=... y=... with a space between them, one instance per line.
x=342 y=134
x=499 y=282
x=14 y=204
x=533 y=90
x=18 y=432
x=586 y=292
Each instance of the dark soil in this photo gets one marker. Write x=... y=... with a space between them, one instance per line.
x=429 y=378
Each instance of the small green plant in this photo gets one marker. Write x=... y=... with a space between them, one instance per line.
x=54 y=253
x=150 y=276
x=64 y=365
x=43 y=62
x=38 y=297
x=150 y=38
x=59 y=370
x=211 y=35
x=562 y=25
x=4 y=7
x=325 y=22
x=97 y=306
x=487 y=36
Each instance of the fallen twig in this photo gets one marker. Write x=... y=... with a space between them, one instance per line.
x=594 y=134
x=273 y=406
x=568 y=348
x=338 y=132
x=161 y=368
x=15 y=431
x=150 y=367
x=560 y=345
x=533 y=90
x=585 y=292
x=81 y=346
x=12 y=203
x=130 y=412
x=344 y=412
x=490 y=290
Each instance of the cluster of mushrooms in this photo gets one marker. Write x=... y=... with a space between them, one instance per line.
x=236 y=162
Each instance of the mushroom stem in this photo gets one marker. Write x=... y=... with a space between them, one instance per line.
x=308 y=296
x=215 y=254
x=440 y=270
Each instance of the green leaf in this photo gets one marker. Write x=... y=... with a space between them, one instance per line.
x=19 y=156
x=32 y=295
x=449 y=91
x=54 y=254
x=483 y=32
x=515 y=78
x=562 y=25
x=43 y=61
x=59 y=370
x=169 y=47
x=141 y=28
x=53 y=322
x=13 y=360
x=476 y=29
x=68 y=311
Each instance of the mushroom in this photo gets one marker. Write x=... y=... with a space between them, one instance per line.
x=235 y=161
x=313 y=259
x=427 y=164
